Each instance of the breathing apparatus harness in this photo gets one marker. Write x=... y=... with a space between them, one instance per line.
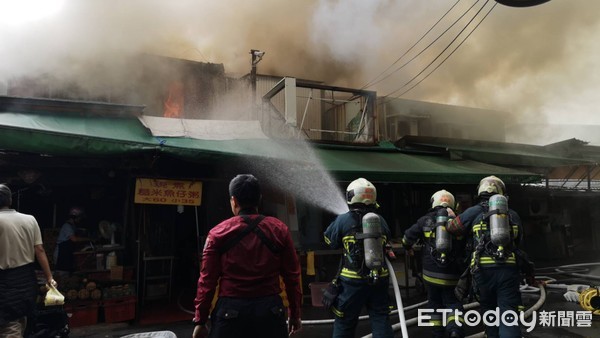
x=251 y=226
x=365 y=256
x=494 y=233
x=440 y=240
x=493 y=244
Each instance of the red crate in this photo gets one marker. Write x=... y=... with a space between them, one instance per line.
x=119 y=309
x=82 y=313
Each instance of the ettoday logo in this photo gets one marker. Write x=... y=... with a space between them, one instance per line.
x=474 y=318
x=507 y=318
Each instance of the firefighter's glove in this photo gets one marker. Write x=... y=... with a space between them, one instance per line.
x=390 y=252
x=451 y=213
x=330 y=294
x=408 y=249
x=463 y=288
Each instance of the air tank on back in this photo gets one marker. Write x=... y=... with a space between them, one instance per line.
x=499 y=225
x=443 y=239
x=371 y=225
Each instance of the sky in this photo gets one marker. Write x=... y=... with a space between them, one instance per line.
x=538 y=64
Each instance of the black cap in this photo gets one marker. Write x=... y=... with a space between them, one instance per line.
x=246 y=189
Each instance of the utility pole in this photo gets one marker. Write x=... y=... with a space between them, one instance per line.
x=257 y=55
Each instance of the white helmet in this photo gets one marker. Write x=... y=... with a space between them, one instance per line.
x=443 y=198
x=361 y=191
x=491 y=185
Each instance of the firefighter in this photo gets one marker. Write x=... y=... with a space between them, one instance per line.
x=364 y=279
x=495 y=232
x=442 y=261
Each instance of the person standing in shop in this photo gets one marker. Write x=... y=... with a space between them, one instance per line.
x=20 y=246
x=246 y=255
x=68 y=238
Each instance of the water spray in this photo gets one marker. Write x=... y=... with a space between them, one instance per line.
x=297 y=170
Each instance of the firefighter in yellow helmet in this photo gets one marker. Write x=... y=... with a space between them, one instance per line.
x=364 y=278
x=442 y=260
x=496 y=260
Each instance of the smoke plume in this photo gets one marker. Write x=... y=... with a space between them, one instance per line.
x=537 y=63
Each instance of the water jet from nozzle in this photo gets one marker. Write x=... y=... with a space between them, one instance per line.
x=298 y=171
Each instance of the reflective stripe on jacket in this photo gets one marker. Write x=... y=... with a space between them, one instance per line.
x=473 y=222
x=434 y=272
x=340 y=235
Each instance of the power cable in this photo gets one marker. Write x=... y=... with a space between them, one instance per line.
x=444 y=50
x=446 y=58
x=197 y=51
x=428 y=46
x=375 y=80
x=441 y=53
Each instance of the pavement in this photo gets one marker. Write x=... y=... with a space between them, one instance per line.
x=553 y=303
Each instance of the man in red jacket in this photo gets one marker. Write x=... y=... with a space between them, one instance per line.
x=246 y=255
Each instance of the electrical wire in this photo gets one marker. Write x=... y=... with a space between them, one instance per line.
x=430 y=44
x=444 y=50
x=375 y=80
x=446 y=58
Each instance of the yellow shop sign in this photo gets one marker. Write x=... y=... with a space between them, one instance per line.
x=162 y=191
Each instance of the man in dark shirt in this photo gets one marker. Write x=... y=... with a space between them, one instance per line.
x=246 y=255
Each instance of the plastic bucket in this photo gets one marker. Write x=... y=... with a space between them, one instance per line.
x=316 y=293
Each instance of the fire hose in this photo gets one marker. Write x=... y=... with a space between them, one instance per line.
x=469 y=306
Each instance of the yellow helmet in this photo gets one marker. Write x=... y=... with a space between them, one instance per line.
x=491 y=185
x=443 y=198
x=361 y=191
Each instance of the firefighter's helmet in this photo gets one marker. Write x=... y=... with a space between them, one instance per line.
x=361 y=191
x=491 y=185
x=443 y=198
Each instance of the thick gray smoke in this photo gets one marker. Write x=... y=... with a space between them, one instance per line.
x=538 y=63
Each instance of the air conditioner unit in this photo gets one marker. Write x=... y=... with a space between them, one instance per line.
x=538 y=207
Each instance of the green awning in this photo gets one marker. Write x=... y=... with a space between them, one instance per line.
x=106 y=136
x=73 y=135
x=399 y=167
